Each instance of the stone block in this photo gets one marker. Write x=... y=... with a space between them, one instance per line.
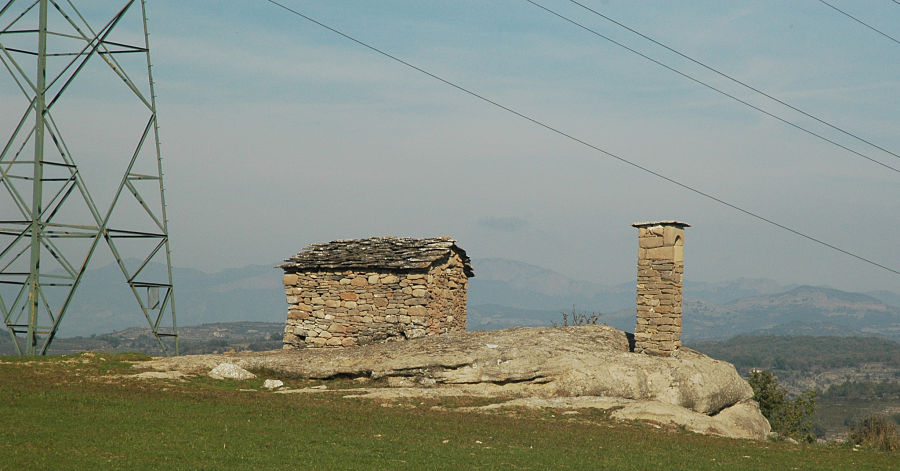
x=417 y=310
x=650 y=242
x=673 y=236
x=666 y=337
x=660 y=253
x=359 y=282
x=337 y=328
x=349 y=296
x=290 y=279
x=678 y=254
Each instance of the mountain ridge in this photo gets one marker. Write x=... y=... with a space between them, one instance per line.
x=508 y=293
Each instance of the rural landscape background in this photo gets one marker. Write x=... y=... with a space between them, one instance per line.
x=752 y=323
x=288 y=123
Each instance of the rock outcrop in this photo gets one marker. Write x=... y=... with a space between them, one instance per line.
x=593 y=366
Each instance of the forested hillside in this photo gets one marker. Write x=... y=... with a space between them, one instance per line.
x=806 y=362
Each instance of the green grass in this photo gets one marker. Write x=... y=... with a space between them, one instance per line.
x=72 y=413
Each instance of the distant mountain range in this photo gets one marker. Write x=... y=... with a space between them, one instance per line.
x=103 y=302
x=507 y=293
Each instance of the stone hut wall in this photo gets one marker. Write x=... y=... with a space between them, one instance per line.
x=659 y=287
x=345 y=308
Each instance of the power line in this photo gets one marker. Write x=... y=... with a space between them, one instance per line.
x=860 y=21
x=735 y=80
x=711 y=87
x=581 y=141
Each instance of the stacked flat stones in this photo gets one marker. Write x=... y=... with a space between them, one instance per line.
x=358 y=291
x=659 y=287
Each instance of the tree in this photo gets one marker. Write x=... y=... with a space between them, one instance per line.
x=789 y=418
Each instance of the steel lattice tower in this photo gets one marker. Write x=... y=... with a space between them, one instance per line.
x=66 y=68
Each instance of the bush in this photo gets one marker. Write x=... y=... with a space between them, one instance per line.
x=578 y=318
x=788 y=418
x=876 y=431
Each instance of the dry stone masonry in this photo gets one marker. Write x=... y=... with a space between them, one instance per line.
x=660 y=270
x=359 y=291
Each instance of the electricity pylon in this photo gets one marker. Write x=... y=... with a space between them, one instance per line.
x=67 y=69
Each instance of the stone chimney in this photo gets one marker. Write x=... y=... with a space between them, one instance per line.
x=660 y=269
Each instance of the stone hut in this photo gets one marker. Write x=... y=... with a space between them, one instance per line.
x=660 y=271
x=359 y=291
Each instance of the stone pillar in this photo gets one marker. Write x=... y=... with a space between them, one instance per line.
x=660 y=269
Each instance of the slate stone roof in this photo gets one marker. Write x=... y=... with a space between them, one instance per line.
x=661 y=223
x=391 y=253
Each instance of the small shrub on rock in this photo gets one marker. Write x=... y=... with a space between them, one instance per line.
x=578 y=318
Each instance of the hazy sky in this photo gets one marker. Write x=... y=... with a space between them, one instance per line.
x=277 y=133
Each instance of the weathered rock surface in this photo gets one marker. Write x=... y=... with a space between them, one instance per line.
x=742 y=420
x=230 y=371
x=546 y=363
x=273 y=383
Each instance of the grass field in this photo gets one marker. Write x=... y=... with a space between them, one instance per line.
x=77 y=412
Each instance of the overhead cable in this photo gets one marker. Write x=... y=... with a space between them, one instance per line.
x=861 y=22
x=733 y=79
x=581 y=141
x=713 y=88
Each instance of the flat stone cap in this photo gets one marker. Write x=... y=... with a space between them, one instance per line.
x=377 y=253
x=661 y=223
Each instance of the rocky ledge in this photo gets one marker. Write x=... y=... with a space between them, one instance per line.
x=568 y=367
